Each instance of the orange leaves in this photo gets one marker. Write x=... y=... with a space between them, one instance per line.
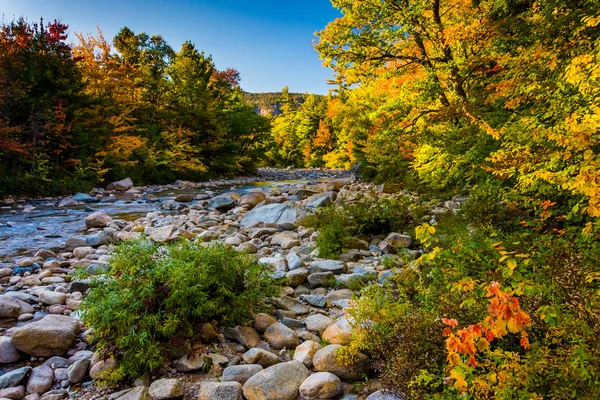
x=463 y=345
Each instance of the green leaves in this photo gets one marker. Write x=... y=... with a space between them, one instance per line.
x=154 y=295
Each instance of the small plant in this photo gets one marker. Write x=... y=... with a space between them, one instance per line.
x=152 y=297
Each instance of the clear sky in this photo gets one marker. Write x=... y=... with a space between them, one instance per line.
x=268 y=41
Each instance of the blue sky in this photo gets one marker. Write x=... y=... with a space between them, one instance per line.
x=268 y=41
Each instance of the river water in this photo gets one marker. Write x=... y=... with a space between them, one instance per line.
x=22 y=234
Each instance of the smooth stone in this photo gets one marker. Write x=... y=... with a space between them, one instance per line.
x=8 y=352
x=294 y=261
x=102 y=368
x=326 y=360
x=40 y=381
x=262 y=321
x=240 y=373
x=297 y=276
x=278 y=214
x=97 y=220
x=121 y=186
x=280 y=336
x=137 y=393
x=333 y=266
x=13 y=378
x=210 y=390
x=51 y=335
x=13 y=393
x=279 y=382
x=51 y=298
x=317 y=323
x=261 y=357
x=321 y=385
x=320 y=279
x=340 y=332
x=316 y=300
x=290 y=304
x=164 y=389
x=306 y=351
x=78 y=370
x=381 y=395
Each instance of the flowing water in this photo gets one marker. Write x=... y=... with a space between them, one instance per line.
x=22 y=234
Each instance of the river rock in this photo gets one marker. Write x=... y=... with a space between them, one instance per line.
x=285 y=240
x=73 y=243
x=102 y=368
x=9 y=308
x=222 y=202
x=121 y=186
x=318 y=200
x=8 y=352
x=279 y=382
x=164 y=389
x=340 y=332
x=262 y=321
x=13 y=378
x=294 y=261
x=187 y=363
x=246 y=336
x=306 y=351
x=326 y=360
x=50 y=336
x=101 y=238
x=97 y=220
x=210 y=390
x=333 y=266
x=13 y=393
x=261 y=357
x=240 y=373
x=40 y=380
x=317 y=323
x=315 y=300
x=86 y=198
x=78 y=370
x=320 y=279
x=137 y=393
x=280 y=336
x=322 y=385
x=163 y=234
x=51 y=298
x=280 y=213
x=290 y=304
x=252 y=199
x=183 y=198
x=297 y=276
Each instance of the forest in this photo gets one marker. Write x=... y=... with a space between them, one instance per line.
x=74 y=116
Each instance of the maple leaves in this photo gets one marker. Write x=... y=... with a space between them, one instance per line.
x=463 y=345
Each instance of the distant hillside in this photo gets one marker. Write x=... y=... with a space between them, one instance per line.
x=268 y=103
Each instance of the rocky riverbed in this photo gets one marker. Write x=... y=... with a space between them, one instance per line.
x=288 y=354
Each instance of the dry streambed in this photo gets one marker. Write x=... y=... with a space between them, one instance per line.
x=288 y=354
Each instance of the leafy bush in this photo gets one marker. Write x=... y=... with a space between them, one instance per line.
x=521 y=310
x=153 y=296
x=333 y=235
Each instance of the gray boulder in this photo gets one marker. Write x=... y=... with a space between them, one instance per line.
x=326 y=360
x=165 y=389
x=40 y=380
x=222 y=202
x=8 y=352
x=52 y=335
x=322 y=385
x=240 y=373
x=280 y=382
x=121 y=186
x=13 y=378
x=279 y=213
x=210 y=390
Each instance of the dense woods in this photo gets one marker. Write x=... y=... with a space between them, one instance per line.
x=75 y=116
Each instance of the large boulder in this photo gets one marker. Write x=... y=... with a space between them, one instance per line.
x=210 y=390
x=280 y=382
x=279 y=213
x=101 y=238
x=40 y=380
x=306 y=351
x=52 y=335
x=13 y=378
x=8 y=352
x=9 y=308
x=340 y=332
x=326 y=360
x=121 y=186
x=97 y=220
x=333 y=266
x=280 y=336
x=261 y=357
x=222 y=202
x=165 y=389
x=322 y=385
x=240 y=373
x=252 y=199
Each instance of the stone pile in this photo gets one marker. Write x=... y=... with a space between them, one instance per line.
x=287 y=354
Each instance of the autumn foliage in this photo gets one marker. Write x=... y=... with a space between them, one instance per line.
x=73 y=116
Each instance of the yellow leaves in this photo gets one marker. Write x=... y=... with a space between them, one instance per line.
x=460 y=382
x=453 y=358
x=483 y=344
x=424 y=234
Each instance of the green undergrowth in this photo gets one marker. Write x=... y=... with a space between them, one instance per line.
x=149 y=304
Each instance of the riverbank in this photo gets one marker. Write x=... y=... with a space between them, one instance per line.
x=265 y=220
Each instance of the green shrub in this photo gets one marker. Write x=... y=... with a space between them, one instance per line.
x=153 y=296
x=333 y=236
